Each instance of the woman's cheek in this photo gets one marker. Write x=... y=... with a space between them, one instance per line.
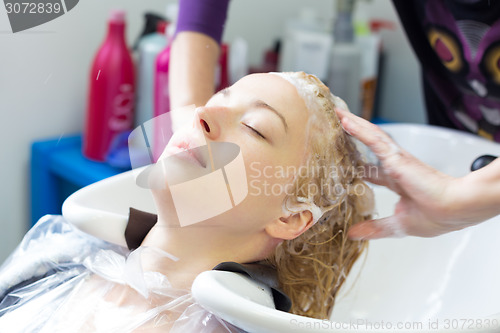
x=268 y=181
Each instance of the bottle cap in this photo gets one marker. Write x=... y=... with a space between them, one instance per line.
x=117 y=15
x=377 y=25
x=161 y=27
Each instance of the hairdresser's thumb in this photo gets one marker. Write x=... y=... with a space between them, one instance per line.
x=375 y=229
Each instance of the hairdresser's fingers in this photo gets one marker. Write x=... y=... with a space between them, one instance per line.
x=418 y=216
x=369 y=134
x=400 y=168
x=376 y=175
x=402 y=172
x=375 y=229
x=396 y=227
x=396 y=163
x=380 y=143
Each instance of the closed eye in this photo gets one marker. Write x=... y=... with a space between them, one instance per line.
x=255 y=131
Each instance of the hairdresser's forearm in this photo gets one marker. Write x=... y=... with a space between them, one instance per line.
x=192 y=66
x=476 y=196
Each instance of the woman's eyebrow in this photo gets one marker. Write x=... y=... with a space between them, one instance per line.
x=260 y=104
x=264 y=105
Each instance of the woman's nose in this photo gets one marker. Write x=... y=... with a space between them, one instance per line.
x=208 y=121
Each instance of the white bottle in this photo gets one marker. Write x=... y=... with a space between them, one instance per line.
x=345 y=67
x=306 y=46
x=149 y=47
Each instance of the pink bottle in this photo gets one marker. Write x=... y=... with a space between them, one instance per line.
x=110 y=109
x=163 y=123
x=162 y=130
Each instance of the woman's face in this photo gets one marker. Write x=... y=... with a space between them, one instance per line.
x=263 y=115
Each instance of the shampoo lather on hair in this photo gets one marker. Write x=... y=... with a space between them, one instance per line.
x=110 y=108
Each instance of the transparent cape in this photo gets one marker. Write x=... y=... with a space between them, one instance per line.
x=60 y=279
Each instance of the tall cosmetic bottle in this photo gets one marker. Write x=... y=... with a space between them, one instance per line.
x=149 y=47
x=345 y=67
x=110 y=108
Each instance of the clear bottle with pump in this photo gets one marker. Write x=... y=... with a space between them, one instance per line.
x=151 y=21
x=344 y=78
x=149 y=47
x=110 y=106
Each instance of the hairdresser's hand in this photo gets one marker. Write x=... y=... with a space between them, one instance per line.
x=432 y=203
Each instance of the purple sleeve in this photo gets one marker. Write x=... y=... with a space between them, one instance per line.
x=204 y=16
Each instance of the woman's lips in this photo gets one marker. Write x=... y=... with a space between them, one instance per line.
x=182 y=151
x=188 y=144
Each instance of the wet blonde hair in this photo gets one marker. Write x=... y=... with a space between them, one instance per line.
x=312 y=267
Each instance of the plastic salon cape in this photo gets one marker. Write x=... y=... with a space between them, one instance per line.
x=60 y=279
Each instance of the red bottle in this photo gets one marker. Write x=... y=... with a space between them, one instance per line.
x=110 y=108
x=222 y=80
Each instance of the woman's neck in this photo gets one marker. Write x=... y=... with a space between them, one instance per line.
x=198 y=248
x=201 y=246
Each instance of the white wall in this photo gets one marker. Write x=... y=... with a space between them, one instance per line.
x=43 y=80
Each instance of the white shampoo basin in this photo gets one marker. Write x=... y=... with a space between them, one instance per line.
x=101 y=209
x=449 y=283
x=439 y=284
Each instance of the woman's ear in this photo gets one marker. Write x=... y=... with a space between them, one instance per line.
x=291 y=226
